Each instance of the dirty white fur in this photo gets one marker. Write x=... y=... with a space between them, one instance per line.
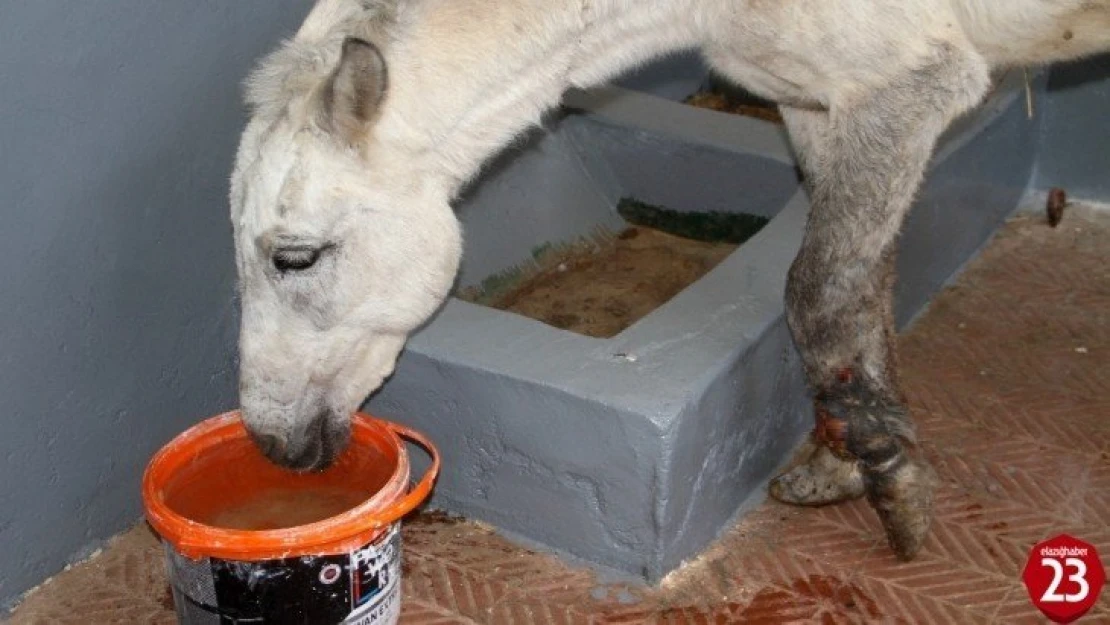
x=464 y=77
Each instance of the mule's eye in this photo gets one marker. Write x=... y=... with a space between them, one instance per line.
x=295 y=258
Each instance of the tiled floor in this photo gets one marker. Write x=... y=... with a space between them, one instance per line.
x=1009 y=377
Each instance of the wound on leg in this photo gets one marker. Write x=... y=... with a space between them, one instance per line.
x=859 y=424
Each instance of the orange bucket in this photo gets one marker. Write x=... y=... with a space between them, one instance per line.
x=249 y=542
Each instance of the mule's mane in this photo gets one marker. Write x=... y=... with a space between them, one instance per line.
x=301 y=64
x=293 y=69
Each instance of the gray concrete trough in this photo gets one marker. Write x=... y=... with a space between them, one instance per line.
x=632 y=453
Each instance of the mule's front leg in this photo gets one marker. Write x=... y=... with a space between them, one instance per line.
x=819 y=476
x=864 y=161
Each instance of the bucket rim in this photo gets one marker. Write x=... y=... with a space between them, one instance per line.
x=339 y=534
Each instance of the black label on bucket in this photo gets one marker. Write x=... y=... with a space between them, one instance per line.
x=361 y=587
x=281 y=592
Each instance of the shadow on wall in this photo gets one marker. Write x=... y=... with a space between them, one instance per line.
x=119 y=320
x=1074 y=150
x=1080 y=74
x=1075 y=141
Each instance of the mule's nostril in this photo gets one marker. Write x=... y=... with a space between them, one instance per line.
x=309 y=459
x=316 y=448
x=306 y=452
x=270 y=446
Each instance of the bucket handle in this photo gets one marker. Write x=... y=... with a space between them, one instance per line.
x=420 y=492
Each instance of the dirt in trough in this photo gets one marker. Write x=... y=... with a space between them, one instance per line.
x=719 y=101
x=601 y=286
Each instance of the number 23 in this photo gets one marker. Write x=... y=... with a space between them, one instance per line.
x=1079 y=577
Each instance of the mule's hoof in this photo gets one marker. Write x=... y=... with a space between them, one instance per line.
x=818 y=478
x=903 y=498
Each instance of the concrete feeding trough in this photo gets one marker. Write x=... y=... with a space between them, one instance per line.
x=633 y=452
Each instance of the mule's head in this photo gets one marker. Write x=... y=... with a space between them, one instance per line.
x=342 y=251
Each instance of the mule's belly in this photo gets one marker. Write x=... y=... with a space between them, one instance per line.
x=1020 y=32
x=812 y=53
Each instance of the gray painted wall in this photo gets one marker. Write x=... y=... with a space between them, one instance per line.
x=116 y=288
x=1075 y=141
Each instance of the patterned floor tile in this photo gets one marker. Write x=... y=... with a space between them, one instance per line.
x=1008 y=375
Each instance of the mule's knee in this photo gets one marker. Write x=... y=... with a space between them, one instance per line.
x=805 y=306
x=824 y=312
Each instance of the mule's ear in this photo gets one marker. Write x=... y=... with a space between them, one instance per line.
x=354 y=90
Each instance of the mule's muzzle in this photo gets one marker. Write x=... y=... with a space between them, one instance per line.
x=313 y=450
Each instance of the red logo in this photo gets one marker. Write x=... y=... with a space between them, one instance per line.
x=1064 y=576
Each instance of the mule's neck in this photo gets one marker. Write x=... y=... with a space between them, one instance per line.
x=467 y=76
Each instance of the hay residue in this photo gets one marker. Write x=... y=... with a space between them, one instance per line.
x=721 y=102
x=608 y=281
